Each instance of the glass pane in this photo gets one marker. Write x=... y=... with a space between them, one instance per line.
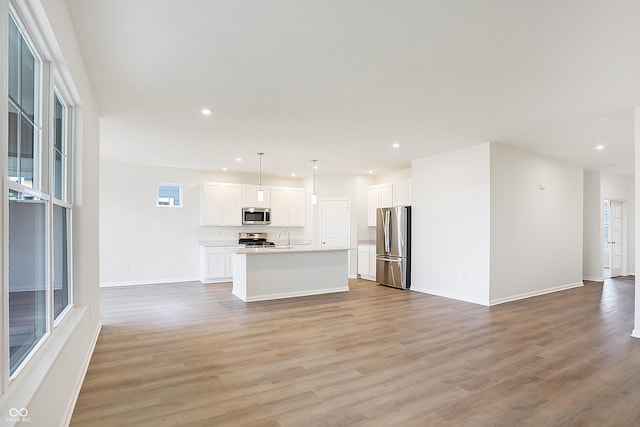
x=58 y=125
x=27 y=275
x=58 y=177
x=60 y=260
x=13 y=142
x=27 y=81
x=26 y=153
x=14 y=61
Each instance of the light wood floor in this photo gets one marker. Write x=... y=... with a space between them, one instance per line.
x=194 y=355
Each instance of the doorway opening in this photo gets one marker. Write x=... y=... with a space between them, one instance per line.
x=613 y=239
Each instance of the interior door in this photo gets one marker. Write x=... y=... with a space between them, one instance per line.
x=615 y=236
x=334 y=220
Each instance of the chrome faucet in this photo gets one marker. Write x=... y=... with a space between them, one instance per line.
x=288 y=237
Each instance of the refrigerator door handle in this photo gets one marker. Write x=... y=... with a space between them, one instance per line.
x=387 y=231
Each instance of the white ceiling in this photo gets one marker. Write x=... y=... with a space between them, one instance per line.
x=341 y=80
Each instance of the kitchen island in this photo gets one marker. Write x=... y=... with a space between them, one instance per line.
x=282 y=272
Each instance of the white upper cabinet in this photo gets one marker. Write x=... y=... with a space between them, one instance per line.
x=372 y=205
x=378 y=196
x=250 y=196
x=221 y=204
x=402 y=193
x=387 y=195
x=288 y=207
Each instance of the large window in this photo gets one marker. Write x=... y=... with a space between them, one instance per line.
x=39 y=205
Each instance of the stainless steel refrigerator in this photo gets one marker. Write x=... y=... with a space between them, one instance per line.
x=393 y=247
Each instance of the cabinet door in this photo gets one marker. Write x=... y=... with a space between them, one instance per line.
x=297 y=207
x=372 y=205
x=363 y=261
x=385 y=195
x=233 y=205
x=216 y=265
x=402 y=193
x=212 y=202
x=372 y=262
x=279 y=207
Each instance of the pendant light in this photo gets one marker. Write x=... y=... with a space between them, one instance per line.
x=260 y=192
x=314 y=195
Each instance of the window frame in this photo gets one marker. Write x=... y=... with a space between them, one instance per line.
x=170 y=184
x=48 y=83
x=65 y=202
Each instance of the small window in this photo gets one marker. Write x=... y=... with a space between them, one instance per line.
x=169 y=195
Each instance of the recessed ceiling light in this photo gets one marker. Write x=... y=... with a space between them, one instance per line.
x=370 y=170
x=293 y=174
x=396 y=145
x=224 y=169
x=205 y=112
x=607 y=119
x=599 y=147
x=238 y=159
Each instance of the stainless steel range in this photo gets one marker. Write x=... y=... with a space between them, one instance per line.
x=254 y=240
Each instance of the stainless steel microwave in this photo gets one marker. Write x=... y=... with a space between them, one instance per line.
x=256 y=216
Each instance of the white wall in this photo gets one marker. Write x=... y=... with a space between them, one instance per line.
x=592 y=229
x=142 y=243
x=394 y=176
x=536 y=233
x=621 y=188
x=50 y=382
x=450 y=239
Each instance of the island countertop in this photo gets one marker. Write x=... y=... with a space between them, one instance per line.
x=284 y=249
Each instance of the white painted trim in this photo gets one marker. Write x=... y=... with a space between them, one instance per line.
x=220 y=280
x=24 y=387
x=80 y=380
x=536 y=293
x=148 y=282
x=593 y=279
x=636 y=333
x=448 y=295
x=294 y=294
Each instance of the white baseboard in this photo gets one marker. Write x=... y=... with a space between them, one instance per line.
x=535 y=293
x=267 y=297
x=148 y=282
x=448 y=295
x=593 y=279
x=636 y=333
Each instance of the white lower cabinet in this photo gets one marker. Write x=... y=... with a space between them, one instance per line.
x=367 y=262
x=216 y=265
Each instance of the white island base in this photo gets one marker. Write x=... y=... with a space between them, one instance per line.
x=265 y=274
